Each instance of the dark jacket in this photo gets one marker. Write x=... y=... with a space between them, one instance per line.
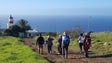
x=49 y=41
x=59 y=41
x=40 y=40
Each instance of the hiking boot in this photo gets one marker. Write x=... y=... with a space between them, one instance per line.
x=86 y=55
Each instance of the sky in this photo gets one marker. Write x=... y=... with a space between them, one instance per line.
x=56 y=7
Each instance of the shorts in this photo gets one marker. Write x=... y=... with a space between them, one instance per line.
x=40 y=45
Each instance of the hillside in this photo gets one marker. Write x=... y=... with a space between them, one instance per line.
x=12 y=50
x=99 y=52
x=102 y=42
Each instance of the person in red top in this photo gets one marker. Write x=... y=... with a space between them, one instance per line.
x=87 y=44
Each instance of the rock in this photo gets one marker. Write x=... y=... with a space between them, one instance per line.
x=106 y=44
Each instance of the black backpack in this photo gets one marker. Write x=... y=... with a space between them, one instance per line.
x=40 y=40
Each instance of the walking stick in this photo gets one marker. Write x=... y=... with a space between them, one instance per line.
x=62 y=49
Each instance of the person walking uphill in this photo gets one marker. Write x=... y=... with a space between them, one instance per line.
x=40 y=42
x=59 y=44
x=65 y=44
x=87 y=43
x=49 y=44
x=81 y=41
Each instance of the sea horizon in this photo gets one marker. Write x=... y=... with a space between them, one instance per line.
x=62 y=23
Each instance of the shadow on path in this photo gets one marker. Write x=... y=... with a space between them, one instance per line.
x=101 y=56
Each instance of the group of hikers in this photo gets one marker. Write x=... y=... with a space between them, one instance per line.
x=63 y=41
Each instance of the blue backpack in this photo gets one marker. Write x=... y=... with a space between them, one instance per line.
x=66 y=39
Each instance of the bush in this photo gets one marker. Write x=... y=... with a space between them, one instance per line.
x=54 y=34
x=75 y=32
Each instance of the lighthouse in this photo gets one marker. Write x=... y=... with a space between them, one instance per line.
x=10 y=21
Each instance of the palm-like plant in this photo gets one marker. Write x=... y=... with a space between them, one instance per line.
x=23 y=24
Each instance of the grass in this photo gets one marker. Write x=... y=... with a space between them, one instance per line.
x=98 y=40
x=12 y=50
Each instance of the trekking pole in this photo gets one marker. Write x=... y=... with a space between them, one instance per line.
x=62 y=49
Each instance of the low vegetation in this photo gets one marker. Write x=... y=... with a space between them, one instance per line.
x=101 y=43
x=12 y=50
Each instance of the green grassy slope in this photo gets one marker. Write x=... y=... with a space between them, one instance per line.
x=98 y=41
x=12 y=50
x=102 y=42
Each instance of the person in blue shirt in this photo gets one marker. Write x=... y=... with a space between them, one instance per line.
x=65 y=44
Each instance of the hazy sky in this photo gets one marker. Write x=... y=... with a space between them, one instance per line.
x=56 y=7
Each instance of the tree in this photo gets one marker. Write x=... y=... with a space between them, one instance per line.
x=12 y=31
x=78 y=30
x=20 y=26
x=15 y=29
x=23 y=24
x=75 y=32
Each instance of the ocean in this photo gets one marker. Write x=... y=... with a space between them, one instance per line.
x=62 y=23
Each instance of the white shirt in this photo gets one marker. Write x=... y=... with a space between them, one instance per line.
x=81 y=39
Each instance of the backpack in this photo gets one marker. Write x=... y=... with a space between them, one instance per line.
x=40 y=40
x=66 y=39
x=49 y=41
x=87 y=40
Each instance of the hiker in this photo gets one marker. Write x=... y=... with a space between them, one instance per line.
x=81 y=41
x=59 y=44
x=87 y=44
x=49 y=44
x=65 y=44
x=40 y=42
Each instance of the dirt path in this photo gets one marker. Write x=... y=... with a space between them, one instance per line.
x=74 y=56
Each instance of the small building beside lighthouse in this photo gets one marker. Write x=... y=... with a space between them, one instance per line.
x=10 y=21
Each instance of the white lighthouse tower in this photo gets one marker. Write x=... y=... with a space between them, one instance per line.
x=10 y=21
